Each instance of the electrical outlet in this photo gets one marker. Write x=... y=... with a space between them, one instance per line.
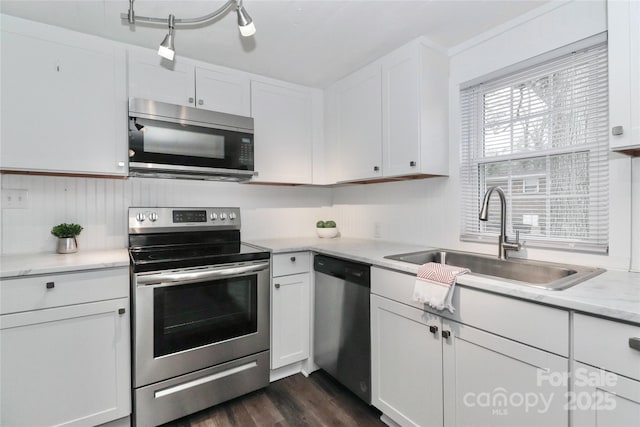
x=377 y=230
x=15 y=198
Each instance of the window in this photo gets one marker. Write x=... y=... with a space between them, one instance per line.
x=541 y=134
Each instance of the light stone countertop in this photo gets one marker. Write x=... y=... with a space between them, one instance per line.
x=614 y=294
x=53 y=263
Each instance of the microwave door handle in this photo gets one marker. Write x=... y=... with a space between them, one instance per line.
x=175 y=279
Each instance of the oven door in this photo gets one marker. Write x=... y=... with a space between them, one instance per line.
x=195 y=318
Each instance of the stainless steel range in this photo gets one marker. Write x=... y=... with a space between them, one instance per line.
x=200 y=311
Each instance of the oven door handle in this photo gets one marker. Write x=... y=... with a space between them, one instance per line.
x=175 y=279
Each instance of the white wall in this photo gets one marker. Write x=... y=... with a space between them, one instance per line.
x=100 y=206
x=427 y=212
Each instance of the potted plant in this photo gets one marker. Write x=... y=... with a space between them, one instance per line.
x=66 y=234
x=326 y=229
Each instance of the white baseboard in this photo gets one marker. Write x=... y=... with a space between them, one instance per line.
x=285 y=371
x=388 y=421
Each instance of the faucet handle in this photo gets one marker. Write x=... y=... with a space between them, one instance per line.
x=513 y=246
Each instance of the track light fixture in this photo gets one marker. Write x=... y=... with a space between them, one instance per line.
x=166 y=49
x=245 y=23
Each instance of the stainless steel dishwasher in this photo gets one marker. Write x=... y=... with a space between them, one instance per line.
x=342 y=337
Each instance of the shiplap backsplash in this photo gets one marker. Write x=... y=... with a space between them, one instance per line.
x=100 y=206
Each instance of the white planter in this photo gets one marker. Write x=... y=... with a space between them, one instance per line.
x=327 y=232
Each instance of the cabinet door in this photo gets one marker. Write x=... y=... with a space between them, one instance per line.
x=493 y=381
x=624 y=72
x=63 y=102
x=602 y=398
x=283 y=133
x=401 y=112
x=223 y=91
x=359 y=126
x=152 y=77
x=406 y=363
x=290 y=319
x=66 y=366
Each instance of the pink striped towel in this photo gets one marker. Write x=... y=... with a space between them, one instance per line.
x=435 y=284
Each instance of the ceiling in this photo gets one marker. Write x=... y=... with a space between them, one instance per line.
x=310 y=42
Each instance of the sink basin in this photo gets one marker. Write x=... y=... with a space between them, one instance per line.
x=545 y=275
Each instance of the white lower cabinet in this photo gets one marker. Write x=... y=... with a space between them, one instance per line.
x=606 y=374
x=66 y=365
x=469 y=368
x=602 y=398
x=406 y=363
x=493 y=381
x=290 y=309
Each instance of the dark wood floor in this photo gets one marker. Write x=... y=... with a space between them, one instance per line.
x=293 y=401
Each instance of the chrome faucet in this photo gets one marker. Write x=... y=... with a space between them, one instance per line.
x=504 y=244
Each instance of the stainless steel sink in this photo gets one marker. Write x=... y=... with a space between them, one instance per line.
x=545 y=275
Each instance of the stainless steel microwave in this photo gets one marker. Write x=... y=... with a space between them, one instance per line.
x=173 y=141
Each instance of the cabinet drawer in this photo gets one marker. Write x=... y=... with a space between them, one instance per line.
x=291 y=263
x=38 y=292
x=509 y=317
x=605 y=344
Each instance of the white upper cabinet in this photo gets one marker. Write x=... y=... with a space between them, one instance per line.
x=414 y=119
x=187 y=82
x=222 y=90
x=155 y=78
x=624 y=74
x=63 y=101
x=283 y=129
x=389 y=119
x=357 y=100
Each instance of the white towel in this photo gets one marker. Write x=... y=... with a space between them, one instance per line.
x=435 y=284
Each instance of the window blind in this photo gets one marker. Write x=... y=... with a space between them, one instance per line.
x=541 y=134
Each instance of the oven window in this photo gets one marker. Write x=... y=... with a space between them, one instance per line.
x=190 y=316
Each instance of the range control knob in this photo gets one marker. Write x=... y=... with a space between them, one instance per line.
x=153 y=217
x=213 y=216
x=140 y=217
x=232 y=216
x=223 y=216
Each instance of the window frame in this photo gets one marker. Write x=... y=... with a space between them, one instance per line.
x=472 y=144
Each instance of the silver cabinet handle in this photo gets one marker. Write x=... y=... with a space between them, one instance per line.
x=634 y=343
x=190 y=100
x=200 y=102
x=277 y=285
x=617 y=130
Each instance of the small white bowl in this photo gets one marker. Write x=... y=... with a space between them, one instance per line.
x=327 y=232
